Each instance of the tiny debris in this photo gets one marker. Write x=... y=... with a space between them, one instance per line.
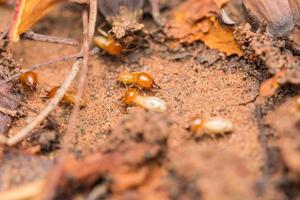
x=123 y=15
x=150 y=103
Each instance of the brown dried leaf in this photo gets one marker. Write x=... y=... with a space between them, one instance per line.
x=27 y=13
x=217 y=37
x=195 y=20
x=184 y=18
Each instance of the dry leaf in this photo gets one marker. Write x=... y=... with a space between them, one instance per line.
x=27 y=13
x=184 y=17
x=195 y=20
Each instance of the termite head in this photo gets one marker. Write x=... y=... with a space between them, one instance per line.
x=108 y=44
x=52 y=92
x=196 y=123
x=29 y=80
x=130 y=96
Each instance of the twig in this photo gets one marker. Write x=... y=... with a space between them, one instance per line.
x=85 y=50
x=252 y=100
x=156 y=12
x=92 y=20
x=25 y=132
x=30 y=35
x=56 y=60
x=57 y=172
x=9 y=112
x=28 y=191
x=51 y=62
x=89 y=24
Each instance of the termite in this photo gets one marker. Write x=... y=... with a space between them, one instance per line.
x=68 y=98
x=212 y=127
x=108 y=44
x=29 y=80
x=140 y=79
x=270 y=86
x=132 y=97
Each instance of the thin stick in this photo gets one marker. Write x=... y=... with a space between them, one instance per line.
x=30 y=35
x=9 y=112
x=34 y=67
x=27 y=191
x=41 y=65
x=56 y=173
x=85 y=49
x=25 y=132
x=92 y=20
x=156 y=13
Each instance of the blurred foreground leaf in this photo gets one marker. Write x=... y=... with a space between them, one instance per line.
x=27 y=13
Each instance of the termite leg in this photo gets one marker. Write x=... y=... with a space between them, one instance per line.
x=157 y=86
x=141 y=90
x=102 y=32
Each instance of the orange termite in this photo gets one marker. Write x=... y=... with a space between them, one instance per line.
x=215 y=126
x=140 y=79
x=68 y=98
x=108 y=43
x=29 y=80
x=270 y=86
x=132 y=97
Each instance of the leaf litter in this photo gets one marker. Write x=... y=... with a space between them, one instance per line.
x=145 y=154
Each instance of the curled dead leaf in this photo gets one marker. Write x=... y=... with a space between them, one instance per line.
x=27 y=13
x=196 y=20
